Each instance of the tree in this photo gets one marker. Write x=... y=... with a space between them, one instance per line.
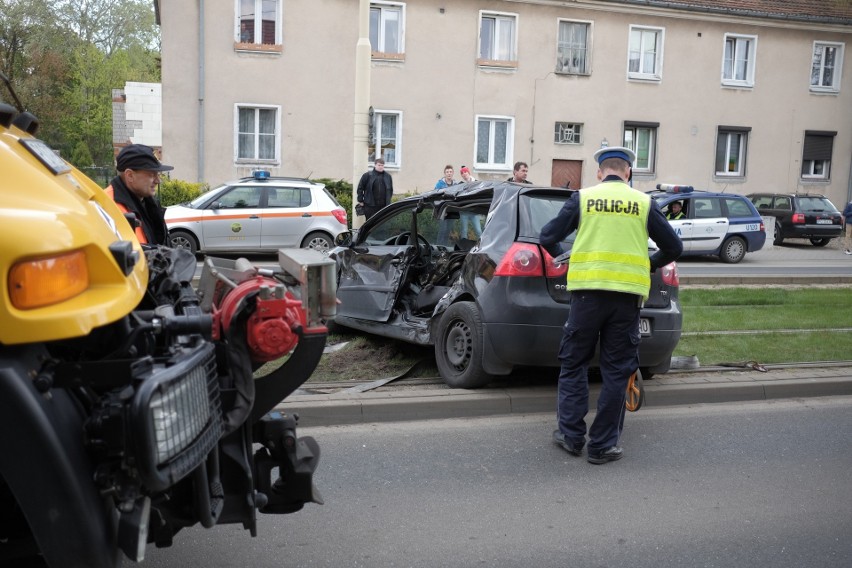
x=66 y=56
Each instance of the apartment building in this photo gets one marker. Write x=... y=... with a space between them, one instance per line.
x=738 y=96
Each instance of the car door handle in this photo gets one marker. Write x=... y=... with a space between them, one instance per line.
x=306 y=215
x=254 y=216
x=721 y=222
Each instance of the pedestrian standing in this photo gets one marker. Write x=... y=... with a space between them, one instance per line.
x=375 y=189
x=469 y=219
x=519 y=173
x=134 y=188
x=609 y=275
x=847 y=221
x=447 y=180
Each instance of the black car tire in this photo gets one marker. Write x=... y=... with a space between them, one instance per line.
x=183 y=240
x=733 y=250
x=778 y=238
x=820 y=242
x=318 y=241
x=458 y=347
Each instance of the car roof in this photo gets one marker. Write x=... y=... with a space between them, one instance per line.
x=278 y=180
x=696 y=193
x=765 y=193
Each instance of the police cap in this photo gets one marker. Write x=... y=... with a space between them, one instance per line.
x=139 y=157
x=625 y=154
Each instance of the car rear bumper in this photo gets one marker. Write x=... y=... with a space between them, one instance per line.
x=512 y=341
x=813 y=231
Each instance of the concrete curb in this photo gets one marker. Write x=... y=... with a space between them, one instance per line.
x=405 y=404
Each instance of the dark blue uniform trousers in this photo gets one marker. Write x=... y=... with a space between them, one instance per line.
x=612 y=317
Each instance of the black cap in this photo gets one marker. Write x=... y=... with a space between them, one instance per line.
x=139 y=157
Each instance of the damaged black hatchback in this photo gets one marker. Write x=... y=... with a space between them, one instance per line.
x=420 y=271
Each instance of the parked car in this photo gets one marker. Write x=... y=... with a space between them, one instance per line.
x=718 y=224
x=258 y=214
x=800 y=216
x=417 y=272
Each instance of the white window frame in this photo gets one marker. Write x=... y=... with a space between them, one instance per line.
x=642 y=73
x=385 y=8
x=744 y=49
x=501 y=19
x=255 y=160
x=563 y=64
x=652 y=145
x=258 y=23
x=741 y=155
x=567 y=132
x=376 y=129
x=819 y=67
x=490 y=164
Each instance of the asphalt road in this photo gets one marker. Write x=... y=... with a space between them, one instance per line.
x=727 y=485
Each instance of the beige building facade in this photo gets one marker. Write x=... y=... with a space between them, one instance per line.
x=756 y=99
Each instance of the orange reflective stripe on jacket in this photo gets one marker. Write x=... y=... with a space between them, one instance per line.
x=140 y=234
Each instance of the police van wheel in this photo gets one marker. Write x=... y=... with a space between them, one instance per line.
x=733 y=250
x=183 y=240
x=458 y=347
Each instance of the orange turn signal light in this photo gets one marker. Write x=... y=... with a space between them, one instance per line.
x=45 y=281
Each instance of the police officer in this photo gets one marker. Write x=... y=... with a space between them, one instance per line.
x=675 y=211
x=133 y=190
x=609 y=276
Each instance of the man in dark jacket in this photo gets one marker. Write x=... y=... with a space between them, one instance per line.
x=375 y=189
x=133 y=190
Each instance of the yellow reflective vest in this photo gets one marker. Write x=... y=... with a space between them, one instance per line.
x=611 y=249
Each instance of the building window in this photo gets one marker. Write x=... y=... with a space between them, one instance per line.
x=731 y=151
x=738 y=61
x=568 y=133
x=259 y=22
x=816 y=155
x=642 y=139
x=387 y=21
x=494 y=136
x=645 y=57
x=825 y=70
x=386 y=132
x=497 y=37
x=573 y=48
x=257 y=134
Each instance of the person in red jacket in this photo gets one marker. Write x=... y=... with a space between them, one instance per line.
x=133 y=190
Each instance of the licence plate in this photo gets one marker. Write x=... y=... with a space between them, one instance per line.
x=824 y=221
x=644 y=327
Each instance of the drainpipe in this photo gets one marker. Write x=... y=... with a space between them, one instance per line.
x=361 y=117
x=200 y=145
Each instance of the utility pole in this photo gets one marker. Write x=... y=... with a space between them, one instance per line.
x=361 y=117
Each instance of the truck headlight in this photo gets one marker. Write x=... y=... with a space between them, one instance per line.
x=179 y=413
x=176 y=417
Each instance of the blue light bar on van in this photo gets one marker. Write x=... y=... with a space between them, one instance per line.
x=261 y=174
x=670 y=188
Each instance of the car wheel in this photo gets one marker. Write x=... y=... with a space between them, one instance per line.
x=458 y=347
x=820 y=242
x=317 y=241
x=733 y=250
x=183 y=240
x=778 y=238
x=646 y=373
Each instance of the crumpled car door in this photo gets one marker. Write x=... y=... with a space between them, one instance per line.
x=370 y=280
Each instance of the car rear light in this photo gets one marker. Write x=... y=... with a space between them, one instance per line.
x=340 y=215
x=670 y=275
x=522 y=259
x=798 y=218
x=551 y=270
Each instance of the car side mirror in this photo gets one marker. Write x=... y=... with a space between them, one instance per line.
x=215 y=205
x=344 y=239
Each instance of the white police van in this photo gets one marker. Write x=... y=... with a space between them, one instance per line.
x=720 y=224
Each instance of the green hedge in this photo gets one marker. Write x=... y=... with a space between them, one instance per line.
x=174 y=191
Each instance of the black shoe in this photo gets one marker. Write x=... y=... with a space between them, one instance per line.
x=574 y=449
x=608 y=455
